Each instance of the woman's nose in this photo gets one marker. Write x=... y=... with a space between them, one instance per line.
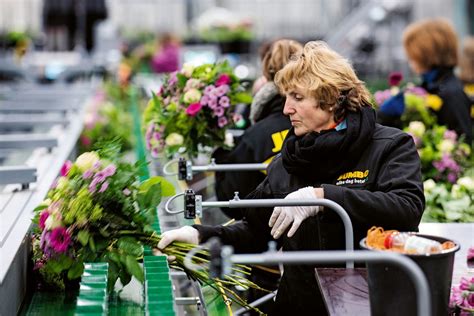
x=288 y=108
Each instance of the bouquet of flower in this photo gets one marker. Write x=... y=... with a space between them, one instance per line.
x=443 y=156
x=95 y=212
x=193 y=109
x=105 y=121
x=410 y=102
x=455 y=204
x=99 y=211
x=462 y=298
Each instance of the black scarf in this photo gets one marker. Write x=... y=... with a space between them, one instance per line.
x=325 y=155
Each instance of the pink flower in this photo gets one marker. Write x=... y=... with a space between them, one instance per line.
x=451 y=135
x=104 y=186
x=212 y=104
x=222 y=80
x=222 y=90
x=100 y=176
x=456 y=297
x=193 y=109
x=65 y=168
x=60 y=239
x=381 y=96
x=466 y=284
x=43 y=217
x=204 y=100
x=126 y=192
x=222 y=121
x=470 y=253
x=395 y=78
x=209 y=89
x=85 y=141
x=87 y=174
x=224 y=102
x=109 y=170
x=219 y=111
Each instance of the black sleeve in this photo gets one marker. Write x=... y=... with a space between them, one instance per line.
x=252 y=234
x=398 y=201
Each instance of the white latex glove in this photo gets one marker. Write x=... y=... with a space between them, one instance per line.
x=186 y=234
x=283 y=216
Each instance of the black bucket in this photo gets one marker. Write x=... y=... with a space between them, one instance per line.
x=392 y=292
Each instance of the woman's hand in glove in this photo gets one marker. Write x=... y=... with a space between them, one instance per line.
x=186 y=234
x=283 y=216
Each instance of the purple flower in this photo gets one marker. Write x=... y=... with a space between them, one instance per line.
x=451 y=135
x=93 y=185
x=155 y=152
x=88 y=174
x=452 y=177
x=156 y=136
x=395 y=78
x=209 y=89
x=222 y=121
x=222 y=90
x=44 y=239
x=381 y=96
x=470 y=253
x=417 y=91
x=43 y=217
x=219 y=111
x=104 y=186
x=204 y=100
x=224 y=102
x=86 y=141
x=466 y=284
x=193 y=109
x=173 y=79
x=59 y=239
x=126 y=192
x=222 y=80
x=109 y=170
x=100 y=176
x=212 y=104
x=65 y=168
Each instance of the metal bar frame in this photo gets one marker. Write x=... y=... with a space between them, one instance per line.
x=17 y=174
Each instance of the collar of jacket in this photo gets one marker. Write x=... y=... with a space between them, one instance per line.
x=263 y=102
x=326 y=154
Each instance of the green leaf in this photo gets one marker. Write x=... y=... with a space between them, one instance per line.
x=134 y=268
x=242 y=97
x=130 y=246
x=62 y=263
x=92 y=244
x=114 y=257
x=112 y=276
x=40 y=207
x=76 y=270
x=83 y=237
x=125 y=277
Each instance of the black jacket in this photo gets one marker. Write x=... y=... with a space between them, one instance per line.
x=379 y=184
x=455 y=111
x=260 y=142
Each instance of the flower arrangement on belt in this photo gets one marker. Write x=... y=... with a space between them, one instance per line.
x=409 y=102
x=105 y=121
x=193 y=109
x=99 y=211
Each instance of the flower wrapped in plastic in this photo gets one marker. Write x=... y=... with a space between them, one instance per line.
x=193 y=109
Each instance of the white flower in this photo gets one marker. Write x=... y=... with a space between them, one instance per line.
x=192 y=96
x=229 y=139
x=429 y=185
x=52 y=222
x=187 y=70
x=416 y=128
x=446 y=146
x=456 y=191
x=87 y=160
x=174 y=139
x=466 y=182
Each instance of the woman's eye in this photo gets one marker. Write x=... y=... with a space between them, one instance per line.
x=298 y=97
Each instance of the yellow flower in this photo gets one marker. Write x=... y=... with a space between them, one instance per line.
x=174 y=139
x=62 y=183
x=433 y=101
x=87 y=160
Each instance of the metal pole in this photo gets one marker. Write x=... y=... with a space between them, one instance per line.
x=307 y=257
x=231 y=167
x=349 y=234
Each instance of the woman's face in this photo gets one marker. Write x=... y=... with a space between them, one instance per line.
x=305 y=114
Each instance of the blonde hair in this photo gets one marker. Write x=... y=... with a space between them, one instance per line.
x=278 y=56
x=327 y=76
x=431 y=43
x=466 y=61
